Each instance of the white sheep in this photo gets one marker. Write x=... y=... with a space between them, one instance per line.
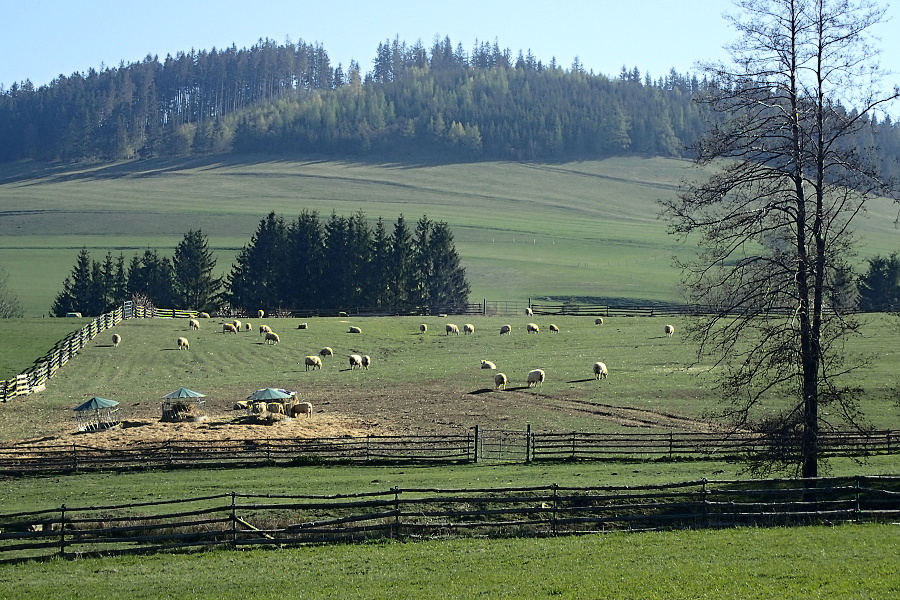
x=116 y=339
x=355 y=361
x=535 y=377
x=553 y=328
x=272 y=337
x=326 y=351
x=237 y=325
x=276 y=408
x=264 y=329
x=183 y=344
x=529 y=312
x=366 y=361
x=354 y=329
x=313 y=361
x=500 y=381
x=260 y=313
x=228 y=328
x=303 y=325
x=600 y=370
x=451 y=328
x=194 y=324
x=242 y=405
x=248 y=327
x=258 y=408
x=669 y=330
x=204 y=315
x=505 y=329
x=423 y=327
x=486 y=364
x=532 y=328
x=302 y=408
x=468 y=328
x=598 y=321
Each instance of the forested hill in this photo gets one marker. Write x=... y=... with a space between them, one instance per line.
x=288 y=98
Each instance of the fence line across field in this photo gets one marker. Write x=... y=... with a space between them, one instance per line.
x=236 y=520
x=476 y=445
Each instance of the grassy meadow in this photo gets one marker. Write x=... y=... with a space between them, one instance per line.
x=425 y=382
x=843 y=562
x=587 y=229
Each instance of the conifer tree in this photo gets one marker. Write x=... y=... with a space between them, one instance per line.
x=195 y=286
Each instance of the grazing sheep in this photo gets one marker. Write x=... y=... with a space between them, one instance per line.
x=500 y=381
x=669 y=329
x=272 y=337
x=535 y=377
x=313 y=361
x=117 y=339
x=276 y=408
x=248 y=327
x=326 y=351
x=242 y=405
x=263 y=329
x=354 y=330
x=302 y=408
x=553 y=328
x=237 y=325
x=303 y=325
x=355 y=361
x=468 y=328
x=258 y=408
x=529 y=312
x=486 y=364
x=505 y=329
x=451 y=328
x=598 y=321
x=532 y=328
x=366 y=361
x=600 y=370
x=183 y=344
x=203 y=315
x=260 y=313
x=423 y=327
x=194 y=324
x=228 y=328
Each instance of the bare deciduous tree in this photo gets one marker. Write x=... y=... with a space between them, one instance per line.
x=9 y=304
x=773 y=222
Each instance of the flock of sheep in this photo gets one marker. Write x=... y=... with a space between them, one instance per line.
x=534 y=377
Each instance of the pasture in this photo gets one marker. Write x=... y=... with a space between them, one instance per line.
x=847 y=561
x=418 y=383
x=585 y=229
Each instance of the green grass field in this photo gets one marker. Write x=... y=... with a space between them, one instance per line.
x=849 y=561
x=588 y=229
x=585 y=229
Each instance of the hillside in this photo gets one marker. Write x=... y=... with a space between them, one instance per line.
x=523 y=229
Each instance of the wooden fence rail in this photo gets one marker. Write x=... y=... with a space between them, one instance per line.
x=236 y=520
x=473 y=446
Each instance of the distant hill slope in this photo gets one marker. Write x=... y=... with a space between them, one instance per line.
x=587 y=229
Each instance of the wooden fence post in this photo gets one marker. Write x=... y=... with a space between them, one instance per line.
x=671 y=444
x=62 y=531
x=553 y=515
x=477 y=441
x=233 y=521
x=74 y=457
x=528 y=443
x=395 y=530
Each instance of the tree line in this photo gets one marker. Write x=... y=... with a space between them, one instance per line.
x=341 y=263
x=288 y=98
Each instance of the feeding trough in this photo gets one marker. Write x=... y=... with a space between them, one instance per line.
x=183 y=405
x=96 y=414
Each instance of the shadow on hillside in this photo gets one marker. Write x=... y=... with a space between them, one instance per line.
x=61 y=172
x=582 y=380
x=481 y=391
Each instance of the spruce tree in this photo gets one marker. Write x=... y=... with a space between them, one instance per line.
x=195 y=286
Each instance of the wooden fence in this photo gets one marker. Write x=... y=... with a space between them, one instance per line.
x=473 y=446
x=237 y=520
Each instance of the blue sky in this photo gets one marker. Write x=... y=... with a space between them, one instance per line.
x=41 y=39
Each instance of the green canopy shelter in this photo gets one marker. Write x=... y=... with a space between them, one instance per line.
x=96 y=414
x=182 y=405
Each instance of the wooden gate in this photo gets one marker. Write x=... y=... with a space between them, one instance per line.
x=502 y=445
